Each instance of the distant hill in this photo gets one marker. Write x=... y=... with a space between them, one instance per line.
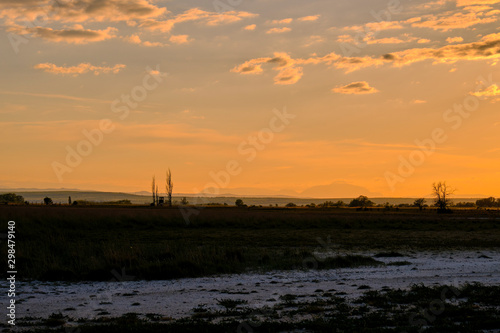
x=61 y=196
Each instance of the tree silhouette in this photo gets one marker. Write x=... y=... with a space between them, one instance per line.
x=441 y=192
x=169 y=187
x=153 y=190
x=361 y=201
x=419 y=203
x=47 y=201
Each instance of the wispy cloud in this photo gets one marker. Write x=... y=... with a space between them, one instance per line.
x=180 y=39
x=278 y=30
x=491 y=91
x=308 y=18
x=73 y=36
x=79 y=69
x=283 y=21
x=289 y=69
x=196 y=14
x=355 y=88
x=250 y=27
x=135 y=39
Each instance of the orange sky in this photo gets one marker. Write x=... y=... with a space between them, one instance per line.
x=274 y=95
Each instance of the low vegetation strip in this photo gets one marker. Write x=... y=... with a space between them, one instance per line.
x=87 y=243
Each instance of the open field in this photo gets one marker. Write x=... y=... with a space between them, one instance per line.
x=145 y=269
x=86 y=243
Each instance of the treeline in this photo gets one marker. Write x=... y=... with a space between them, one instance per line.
x=488 y=202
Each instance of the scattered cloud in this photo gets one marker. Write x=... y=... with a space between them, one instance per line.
x=180 y=39
x=376 y=26
x=283 y=21
x=79 y=69
x=289 y=69
x=196 y=14
x=80 y=11
x=135 y=39
x=308 y=18
x=451 y=21
x=314 y=40
x=452 y=40
x=462 y=3
x=355 y=88
x=418 y=101
x=487 y=48
x=491 y=91
x=278 y=30
x=370 y=39
x=250 y=27
x=73 y=36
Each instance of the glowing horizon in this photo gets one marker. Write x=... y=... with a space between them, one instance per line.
x=390 y=96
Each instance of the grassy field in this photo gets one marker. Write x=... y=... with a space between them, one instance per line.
x=88 y=243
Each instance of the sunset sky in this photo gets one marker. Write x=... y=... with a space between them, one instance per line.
x=287 y=95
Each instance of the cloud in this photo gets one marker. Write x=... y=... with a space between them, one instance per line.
x=250 y=27
x=308 y=18
x=418 y=101
x=314 y=40
x=135 y=39
x=278 y=30
x=283 y=21
x=376 y=26
x=79 y=69
x=289 y=69
x=487 y=48
x=370 y=39
x=491 y=91
x=452 y=40
x=180 y=39
x=73 y=36
x=461 y=3
x=355 y=88
x=196 y=14
x=449 y=21
x=80 y=11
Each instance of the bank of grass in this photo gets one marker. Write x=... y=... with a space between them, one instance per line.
x=89 y=243
x=446 y=308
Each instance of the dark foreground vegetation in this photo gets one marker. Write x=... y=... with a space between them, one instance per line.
x=446 y=308
x=88 y=243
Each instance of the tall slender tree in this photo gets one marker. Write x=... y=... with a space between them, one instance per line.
x=157 y=197
x=169 y=187
x=153 y=190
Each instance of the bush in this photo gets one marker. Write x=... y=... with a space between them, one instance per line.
x=361 y=201
x=290 y=204
x=11 y=198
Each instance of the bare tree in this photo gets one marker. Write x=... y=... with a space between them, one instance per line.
x=441 y=193
x=153 y=190
x=157 y=197
x=169 y=187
